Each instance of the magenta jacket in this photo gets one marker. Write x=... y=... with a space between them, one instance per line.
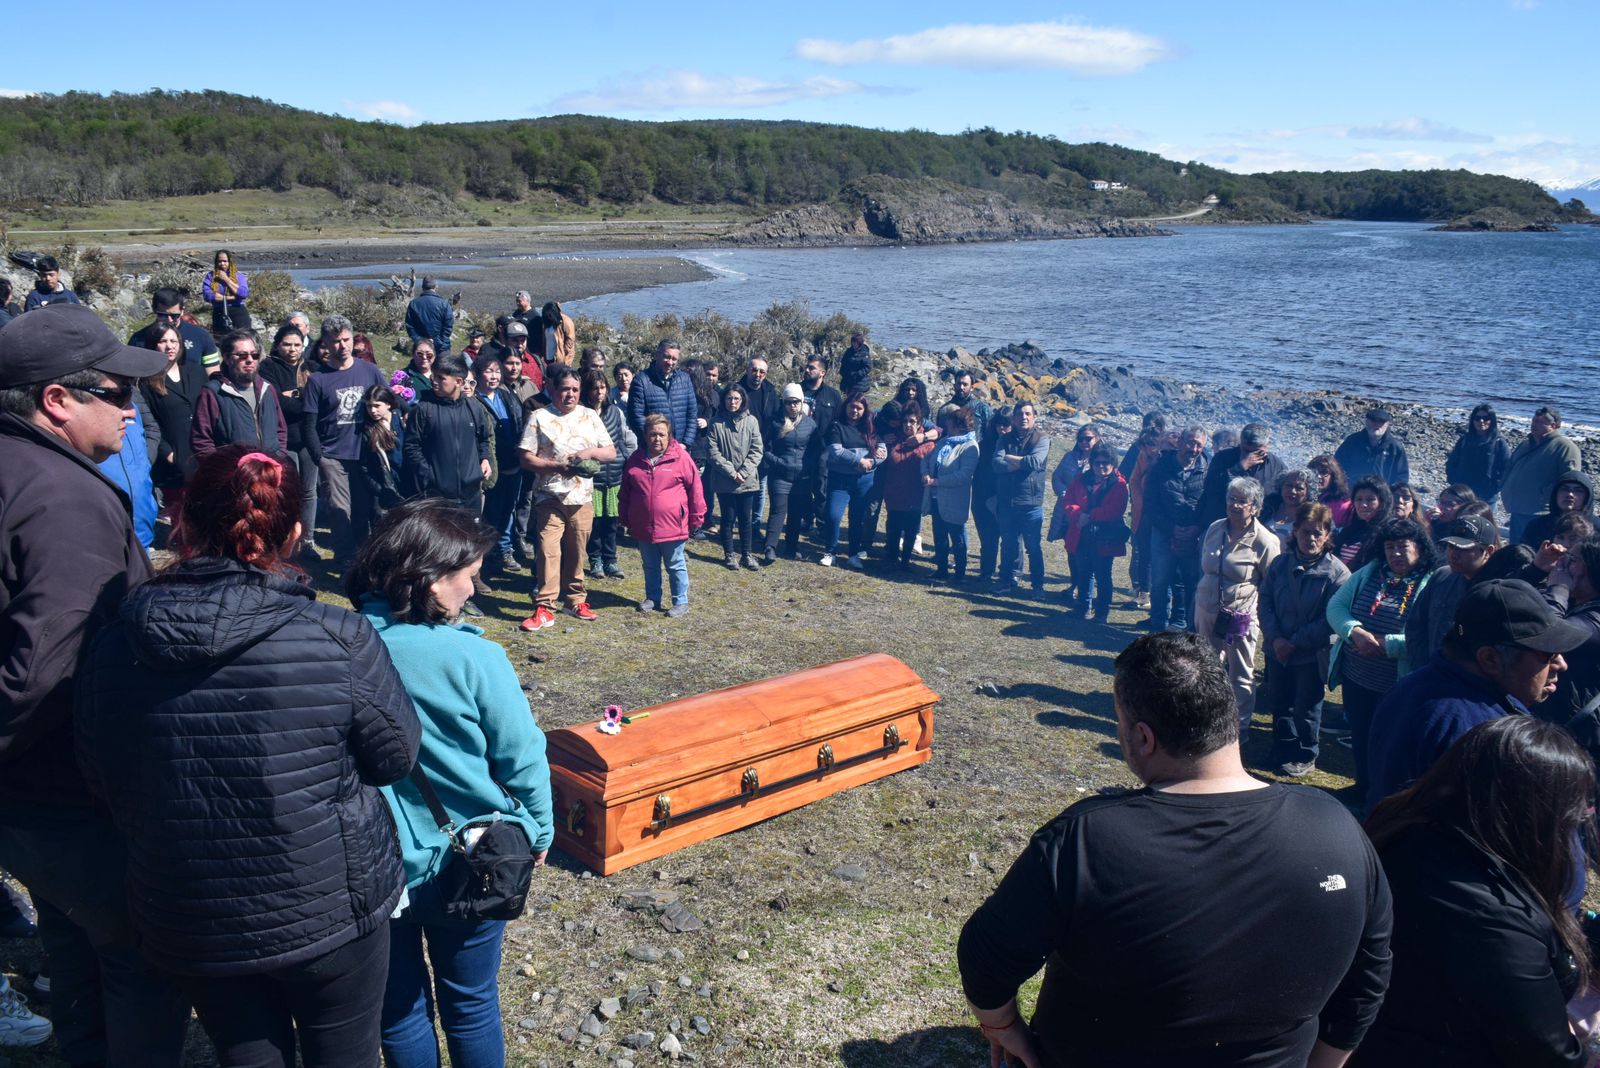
x=661 y=501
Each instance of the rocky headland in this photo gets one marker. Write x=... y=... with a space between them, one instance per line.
x=881 y=210
x=1497 y=221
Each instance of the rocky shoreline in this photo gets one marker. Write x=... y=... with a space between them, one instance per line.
x=1304 y=422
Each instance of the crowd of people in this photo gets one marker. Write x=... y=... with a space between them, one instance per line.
x=269 y=839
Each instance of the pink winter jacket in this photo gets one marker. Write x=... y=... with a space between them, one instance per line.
x=661 y=501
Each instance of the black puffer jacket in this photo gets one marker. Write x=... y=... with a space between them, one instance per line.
x=238 y=730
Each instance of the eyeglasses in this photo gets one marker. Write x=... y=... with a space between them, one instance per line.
x=116 y=396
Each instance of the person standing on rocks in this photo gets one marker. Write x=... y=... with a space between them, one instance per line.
x=1251 y=458
x=1480 y=455
x=855 y=367
x=1374 y=451
x=1534 y=468
x=1163 y=915
x=430 y=316
x=1172 y=509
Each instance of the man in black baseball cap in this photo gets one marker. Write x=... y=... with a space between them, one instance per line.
x=1468 y=543
x=66 y=394
x=1502 y=657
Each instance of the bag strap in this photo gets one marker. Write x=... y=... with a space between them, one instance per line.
x=431 y=799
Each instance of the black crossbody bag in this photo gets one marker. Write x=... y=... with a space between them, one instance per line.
x=489 y=874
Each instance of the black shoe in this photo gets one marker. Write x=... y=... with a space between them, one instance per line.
x=770 y=556
x=730 y=563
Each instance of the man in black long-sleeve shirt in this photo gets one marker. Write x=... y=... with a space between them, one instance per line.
x=1208 y=919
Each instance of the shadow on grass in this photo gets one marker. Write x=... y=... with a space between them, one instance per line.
x=932 y=1047
x=1093 y=720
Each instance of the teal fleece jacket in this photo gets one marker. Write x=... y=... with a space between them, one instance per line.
x=481 y=749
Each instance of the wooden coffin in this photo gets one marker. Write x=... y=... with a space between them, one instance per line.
x=706 y=765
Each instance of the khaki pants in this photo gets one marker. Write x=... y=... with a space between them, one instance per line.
x=561 y=532
x=1239 y=664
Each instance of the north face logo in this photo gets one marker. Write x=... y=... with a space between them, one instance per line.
x=1332 y=883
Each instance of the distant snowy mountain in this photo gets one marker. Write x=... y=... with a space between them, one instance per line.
x=1588 y=192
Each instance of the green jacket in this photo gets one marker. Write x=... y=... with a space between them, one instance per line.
x=482 y=751
x=1532 y=471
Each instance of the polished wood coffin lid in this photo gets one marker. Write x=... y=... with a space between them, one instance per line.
x=689 y=738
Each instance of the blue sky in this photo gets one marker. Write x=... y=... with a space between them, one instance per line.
x=1490 y=85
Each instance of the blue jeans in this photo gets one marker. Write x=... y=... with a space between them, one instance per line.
x=856 y=494
x=1024 y=525
x=950 y=540
x=106 y=1003
x=465 y=960
x=1174 y=573
x=1091 y=581
x=651 y=556
x=500 y=507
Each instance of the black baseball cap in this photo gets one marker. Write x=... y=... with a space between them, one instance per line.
x=475 y=332
x=1471 y=532
x=60 y=339
x=1511 y=612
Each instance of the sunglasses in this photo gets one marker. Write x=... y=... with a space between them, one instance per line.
x=172 y=316
x=116 y=396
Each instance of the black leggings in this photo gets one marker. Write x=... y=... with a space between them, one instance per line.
x=740 y=508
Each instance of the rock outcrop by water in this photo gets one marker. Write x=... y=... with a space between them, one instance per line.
x=1497 y=221
x=882 y=210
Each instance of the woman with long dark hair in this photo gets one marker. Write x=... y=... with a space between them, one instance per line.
x=482 y=754
x=172 y=395
x=1480 y=455
x=1481 y=854
x=1371 y=506
x=853 y=453
x=1368 y=617
x=268 y=891
x=226 y=288
x=288 y=369
x=608 y=480
x=1333 y=487
x=733 y=473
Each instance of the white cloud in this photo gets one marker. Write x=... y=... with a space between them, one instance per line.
x=16 y=94
x=1058 y=45
x=386 y=110
x=676 y=90
x=1417 y=129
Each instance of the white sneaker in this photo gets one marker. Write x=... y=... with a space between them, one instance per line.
x=916 y=546
x=827 y=560
x=19 y=1026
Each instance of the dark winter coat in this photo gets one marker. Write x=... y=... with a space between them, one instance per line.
x=1479 y=463
x=238 y=730
x=222 y=417
x=734 y=449
x=672 y=397
x=786 y=454
x=855 y=370
x=826 y=404
x=1023 y=487
x=1225 y=467
x=70 y=555
x=1481 y=979
x=446 y=444
x=1360 y=458
x=610 y=473
x=173 y=412
x=430 y=316
x=286 y=380
x=1542 y=528
x=507 y=432
x=1172 y=494
x=1294 y=604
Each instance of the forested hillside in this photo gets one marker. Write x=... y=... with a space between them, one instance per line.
x=83 y=148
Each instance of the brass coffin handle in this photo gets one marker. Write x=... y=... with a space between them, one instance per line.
x=577 y=816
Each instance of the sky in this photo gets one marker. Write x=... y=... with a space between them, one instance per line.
x=1493 y=86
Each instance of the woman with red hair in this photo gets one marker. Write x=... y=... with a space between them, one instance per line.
x=238 y=731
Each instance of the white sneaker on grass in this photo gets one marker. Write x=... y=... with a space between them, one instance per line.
x=827 y=560
x=20 y=1027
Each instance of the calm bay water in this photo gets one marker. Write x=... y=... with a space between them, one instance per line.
x=1389 y=309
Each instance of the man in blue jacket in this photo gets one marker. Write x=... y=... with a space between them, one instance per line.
x=430 y=316
x=1503 y=656
x=1374 y=451
x=662 y=389
x=167 y=305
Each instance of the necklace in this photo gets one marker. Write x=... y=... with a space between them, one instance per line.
x=1398 y=589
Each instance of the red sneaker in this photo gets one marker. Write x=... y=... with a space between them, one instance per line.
x=582 y=611
x=542 y=617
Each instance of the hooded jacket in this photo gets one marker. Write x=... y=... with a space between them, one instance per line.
x=661 y=501
x=1479 y=462
x=734 y=448
x=445 y=445
x=1533 y=470
x=1542 y=528
x=238 y=730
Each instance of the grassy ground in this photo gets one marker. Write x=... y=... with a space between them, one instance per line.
x=308 y=212
x=853 y=973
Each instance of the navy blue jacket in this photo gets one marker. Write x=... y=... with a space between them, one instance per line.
x=1172 y=495
x=1422 y=715
x=238 y=731
x=197 y=343
x=445 y=445
x=430 y=316
x=673 y=398
x=1359 y=459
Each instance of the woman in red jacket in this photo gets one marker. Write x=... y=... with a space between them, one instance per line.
x=661 y=503
x=1092 y=509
